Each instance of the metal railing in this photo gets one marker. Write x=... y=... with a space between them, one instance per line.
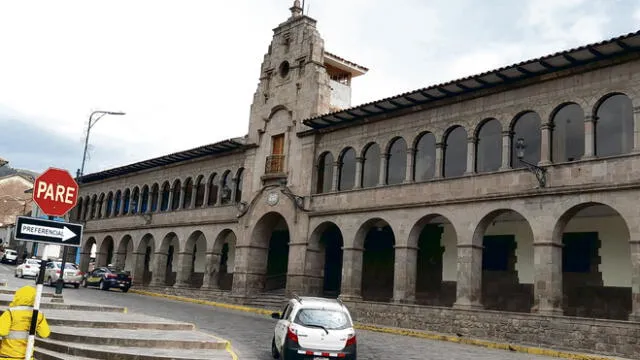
x=274 y=164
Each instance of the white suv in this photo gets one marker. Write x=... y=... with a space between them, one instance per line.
x=314 y=328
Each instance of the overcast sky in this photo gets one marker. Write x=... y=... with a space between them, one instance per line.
x=185 y=71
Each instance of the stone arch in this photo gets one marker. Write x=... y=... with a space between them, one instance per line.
x=614 y=125
x=164 y=272
x=347 y=169
x=527 y=126
x=145 y=254
x=596 y=263
x=397 y=161
x=124 y=258
x=435 y=239
x=192 y=261
x=86 y=254
x=424 y=147
x=488 y=149
x=324 y=179
x=455 y=151
x=370 y=165
x=221 y=266
x=105 y=253
x=567 y=132
x=270 y=237
x=507 y=266
x=377 y=240
x=324 y=260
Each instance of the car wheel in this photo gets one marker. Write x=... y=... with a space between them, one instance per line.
x=125 y=289
x=84 y=283
x=76 y=285
x=49 y=283
x=103 y=286
x=274 y=350
x=21 y=274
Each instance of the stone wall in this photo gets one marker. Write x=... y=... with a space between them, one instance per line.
x=607 y=337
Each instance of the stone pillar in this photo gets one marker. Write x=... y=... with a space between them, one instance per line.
x=103 y=208
x=404 y=274
x=120 y=259
x=249 y=274
x=206 y=195
x=471 y=155
x=358 y=183
x=85 y=257
x=507 y=137
x=138 y=269
x=194 y=195
x=384 y=161
x=183 y=190
x=159 y=269
x=101 y=259
x=411 y=159
x=635 y=279
x=589 y=136
x=469 y=283
x=150 y=200
x=351 y=287
x=295 y=267
x=545 y=144
x=211 y=271
x=170 y=200
x=234 y=189
x=547 y=282
x=184 y=271
x=336 y=176
x=439 y=160
x=636 y=128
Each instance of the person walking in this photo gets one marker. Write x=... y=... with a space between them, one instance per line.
x=15 y=323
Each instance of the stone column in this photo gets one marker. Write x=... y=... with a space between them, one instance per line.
x=471 y=155
x=336 y=176
x=159 y=269
x=206 y=194
x=184 y=271
x=211 y=271
x=469 y=283
x=635 y=279
x=194 y=195
x=249 y=274
x=103 y=208
x=545 y=144
x=547 y=282
x=507 y=137
x=120 y=259
x=150 y=200
x=636 y=128
x=589 y=136
x=351 y=287
x=358 y=183
x=84 y=261
x=295 y=267
x=170 y=200
x=101 y=259
x=138 y=269
x=404 y=274
x=183 y=190
x=439 y=160
x=384 y=160
x=411 y=159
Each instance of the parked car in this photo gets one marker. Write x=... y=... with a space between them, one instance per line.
x=30 y=267
x=72 y=274
x=314 y=328
x=108 y=277
x=9 y=256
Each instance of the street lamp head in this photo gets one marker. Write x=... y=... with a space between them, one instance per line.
x=520 y=147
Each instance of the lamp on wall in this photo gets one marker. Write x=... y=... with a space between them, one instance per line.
x=540 y=173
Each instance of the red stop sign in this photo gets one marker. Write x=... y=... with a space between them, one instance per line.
x=55 y=192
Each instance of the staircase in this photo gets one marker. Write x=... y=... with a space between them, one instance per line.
x=271 y=300
x=82 y=331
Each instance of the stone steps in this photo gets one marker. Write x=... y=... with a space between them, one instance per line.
x=5 y=300
x=61 y=349
x=45 y=354
x=174 y=339
x=104 y=320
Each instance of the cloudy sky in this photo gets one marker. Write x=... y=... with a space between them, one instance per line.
x=185 y=71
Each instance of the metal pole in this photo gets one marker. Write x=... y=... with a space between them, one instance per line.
x=36 y=310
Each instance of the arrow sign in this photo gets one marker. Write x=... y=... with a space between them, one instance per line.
x=47 y=231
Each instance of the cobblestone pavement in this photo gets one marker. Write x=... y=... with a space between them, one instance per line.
x=251 y=334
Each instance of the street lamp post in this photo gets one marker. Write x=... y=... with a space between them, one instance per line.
x=539 y=172
x=92 y=122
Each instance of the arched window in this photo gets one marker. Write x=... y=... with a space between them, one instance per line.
x=455 y=152
x=371 y=166
x=200 y=190
x=188 y=193
x=225 y=196
x=93 y=206
x=166 y=192
x=213 y=190
x=109 y=210
x=614 y=126
x=347 y=169
x=425 y=157
x=127 y=201
x=118 y=205
x=144 y=199
x=567 y=133
x=135 y=200
x=527 y=127
x=325 y=173
x=489 y=148
x=99 y=209
x=239 y=183
x=397 y=164
x=155 y=194
x=79 y=209
x=175 y=200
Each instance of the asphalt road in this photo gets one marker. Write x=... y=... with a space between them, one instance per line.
x=251 y=334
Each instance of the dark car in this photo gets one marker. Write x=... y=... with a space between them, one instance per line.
x=106 y=278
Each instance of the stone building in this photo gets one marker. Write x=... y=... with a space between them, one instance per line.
x=13 y=199
x=513 y=190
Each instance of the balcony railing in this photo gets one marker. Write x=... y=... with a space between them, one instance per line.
x=274 y=164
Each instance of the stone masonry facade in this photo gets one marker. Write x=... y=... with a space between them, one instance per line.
x=344 y=207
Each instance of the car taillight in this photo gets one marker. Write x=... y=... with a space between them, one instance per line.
x=351 y=340
x=57 y=271
x=27 y=267
x=80 y=273
x=291 y=335
x=111 y=276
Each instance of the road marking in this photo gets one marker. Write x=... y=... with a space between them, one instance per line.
x=396 y=331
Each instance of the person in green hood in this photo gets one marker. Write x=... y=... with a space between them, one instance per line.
x=15 y=323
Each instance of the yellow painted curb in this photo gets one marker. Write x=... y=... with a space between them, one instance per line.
x=395 y=331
